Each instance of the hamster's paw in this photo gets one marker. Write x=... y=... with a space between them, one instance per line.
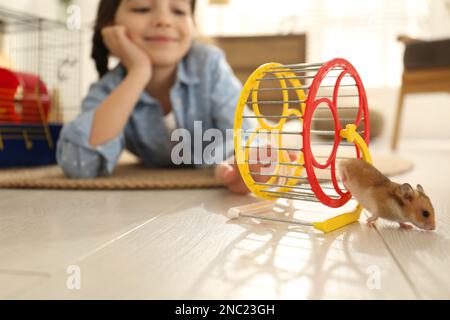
x=371 y=221
x=405 y=226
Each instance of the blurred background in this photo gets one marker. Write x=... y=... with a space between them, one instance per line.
x=363 y=32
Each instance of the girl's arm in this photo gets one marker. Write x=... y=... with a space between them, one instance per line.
x=113 y=113
x=75 y=155
x=114 y=99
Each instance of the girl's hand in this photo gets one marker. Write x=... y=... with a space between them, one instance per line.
x=228 y=171
x=129 y=49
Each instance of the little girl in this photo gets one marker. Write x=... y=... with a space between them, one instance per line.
x=165 y=80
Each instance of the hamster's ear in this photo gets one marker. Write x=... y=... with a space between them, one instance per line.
x=407 y=191
x=420 y=188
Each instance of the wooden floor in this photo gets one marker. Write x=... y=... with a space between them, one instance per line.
x=179 y=245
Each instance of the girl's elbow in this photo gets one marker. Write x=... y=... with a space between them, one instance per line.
x=69 y=161
x=77 y=170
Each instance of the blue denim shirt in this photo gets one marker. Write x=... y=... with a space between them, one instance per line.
x=205 y=90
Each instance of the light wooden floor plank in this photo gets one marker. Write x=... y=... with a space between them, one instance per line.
x=178 y=244
x=424 y=256
x=42 y=232
x=197 y=253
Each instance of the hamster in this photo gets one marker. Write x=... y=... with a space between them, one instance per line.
x=385 y=198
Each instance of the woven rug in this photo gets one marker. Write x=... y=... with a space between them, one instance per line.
x=130 y=175
x=126 y=176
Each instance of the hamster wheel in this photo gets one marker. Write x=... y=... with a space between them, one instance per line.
x=277 y=97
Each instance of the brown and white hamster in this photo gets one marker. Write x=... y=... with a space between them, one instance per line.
x=385 y=198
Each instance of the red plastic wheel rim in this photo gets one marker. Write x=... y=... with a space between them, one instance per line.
x=312 y=103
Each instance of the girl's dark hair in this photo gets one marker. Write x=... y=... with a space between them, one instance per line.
x=105 y=16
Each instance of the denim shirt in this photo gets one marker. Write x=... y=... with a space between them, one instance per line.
x=205 y=90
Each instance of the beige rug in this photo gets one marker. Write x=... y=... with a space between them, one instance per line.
x=131 y=175
x=126 y=176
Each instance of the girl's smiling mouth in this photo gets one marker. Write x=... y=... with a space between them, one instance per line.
x=159 y=39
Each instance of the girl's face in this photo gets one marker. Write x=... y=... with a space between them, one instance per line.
x=165 y=27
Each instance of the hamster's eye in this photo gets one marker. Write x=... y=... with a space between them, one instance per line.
x=425 y=214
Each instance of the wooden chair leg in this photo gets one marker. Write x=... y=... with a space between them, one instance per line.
x=398 y=117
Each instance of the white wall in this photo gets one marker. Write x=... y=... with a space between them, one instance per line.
x=425 y=116
x=44 y=8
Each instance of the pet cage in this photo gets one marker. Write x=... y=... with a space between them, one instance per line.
x=40 y=81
